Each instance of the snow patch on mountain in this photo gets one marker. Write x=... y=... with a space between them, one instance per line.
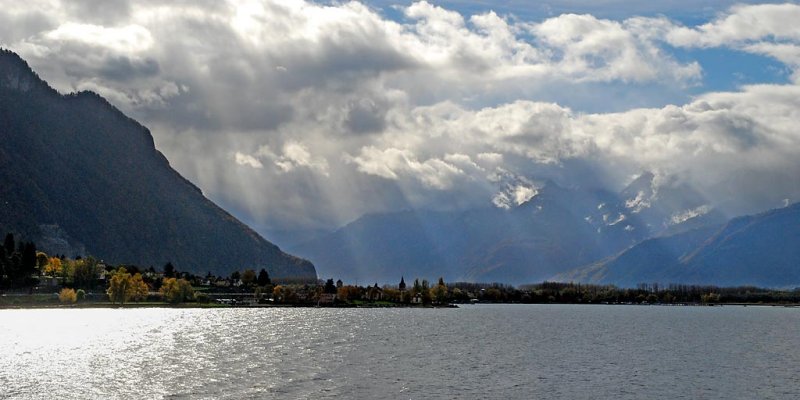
x=514 y=196
x=683 y=216
x=639 y=203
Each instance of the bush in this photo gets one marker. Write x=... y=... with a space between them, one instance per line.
x=201 y=297
x=80 y=294
x=67 y=296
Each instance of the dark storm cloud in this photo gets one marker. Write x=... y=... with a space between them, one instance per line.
x=122 y=68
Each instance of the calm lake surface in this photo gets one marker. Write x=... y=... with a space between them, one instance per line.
x=477 y=351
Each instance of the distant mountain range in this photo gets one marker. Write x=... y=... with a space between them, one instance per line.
x=79 y=177
x=759 y=250
x=557 y=230
x=654 y=230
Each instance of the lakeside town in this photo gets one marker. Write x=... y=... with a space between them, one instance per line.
x=31 y=278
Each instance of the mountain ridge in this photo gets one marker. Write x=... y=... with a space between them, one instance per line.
x=77 y=164
x=758 y=250
x=557 y=229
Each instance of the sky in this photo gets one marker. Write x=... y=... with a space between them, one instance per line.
x=298 y=115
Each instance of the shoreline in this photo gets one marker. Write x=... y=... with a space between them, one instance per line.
x=100 y=305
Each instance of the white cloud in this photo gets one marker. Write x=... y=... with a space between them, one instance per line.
x=741 y=24
x=592 y=49
x=765 y=29
x=126 y=39
x=247 y=160
x=396 y=163
x=296 y=155
x=337 y=110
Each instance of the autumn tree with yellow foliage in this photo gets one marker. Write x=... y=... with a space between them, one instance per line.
x=176 y=290
x=52 y=267
x=123 y=287
x=119 y=286
x=139 y=289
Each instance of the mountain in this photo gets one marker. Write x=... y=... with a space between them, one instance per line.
x=759 y=250
x=79 y=177
x=665 y=205
x=558 y=229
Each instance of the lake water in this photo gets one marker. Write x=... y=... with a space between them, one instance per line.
x=477 y=351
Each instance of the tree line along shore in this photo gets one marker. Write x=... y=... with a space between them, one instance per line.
x=30 y=278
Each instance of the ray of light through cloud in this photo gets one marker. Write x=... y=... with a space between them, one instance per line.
x=297 y=114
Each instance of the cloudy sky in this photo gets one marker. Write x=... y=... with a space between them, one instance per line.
x=300 y=114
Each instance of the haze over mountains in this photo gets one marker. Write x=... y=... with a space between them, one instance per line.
x=78 y=177
x=649 y=232
x=759 y=250
x=557 y=229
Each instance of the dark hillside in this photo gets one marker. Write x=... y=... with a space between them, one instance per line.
x=77 y=175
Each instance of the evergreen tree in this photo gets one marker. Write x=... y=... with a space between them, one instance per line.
x=330 y=287
x=3 y=262
x=9 y=244
x=28 y=259
x=169 y=270
x=263 y=278
x=14 y=266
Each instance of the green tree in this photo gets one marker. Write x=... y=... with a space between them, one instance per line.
x=416 y=288
x=201 y=297
x=67 y=270
x=493 y=294
x=439 y=292
x=84 y=273
x=119 y=286
x=426 y=291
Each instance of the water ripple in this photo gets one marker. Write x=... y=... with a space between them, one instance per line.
x=472 y=352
